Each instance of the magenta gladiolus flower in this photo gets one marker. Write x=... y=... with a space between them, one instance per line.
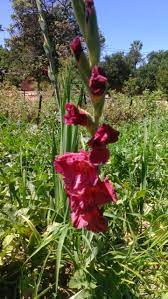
x=86 y=192
x=99 y=153
x=76 y=47
x=98 y=81
x=75 y=116
x=103 y=136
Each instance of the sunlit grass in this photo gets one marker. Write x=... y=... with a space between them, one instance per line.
x=130 y=261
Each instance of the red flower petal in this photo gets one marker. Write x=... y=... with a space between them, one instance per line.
x=98 y=81
x=92 y=196
x=99 y=155
x=103 y=136
x=74 y=116
x=77 y=170
x=92 y=220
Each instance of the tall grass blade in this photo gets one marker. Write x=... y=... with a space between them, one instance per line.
x=59 y=254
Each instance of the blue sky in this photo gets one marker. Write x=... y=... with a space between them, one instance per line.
x=121 y=22
x=5 y=19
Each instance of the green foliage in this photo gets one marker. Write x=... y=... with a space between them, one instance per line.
x=134 y=55
x=25 y=43
x=119 y=66
x=4 y=58
x=129 y=73
x=162 y=76
x=37 y=238
x=146 y=77
x=27 y=56
x=131 y=87
x=153 y=74
x=117 y=70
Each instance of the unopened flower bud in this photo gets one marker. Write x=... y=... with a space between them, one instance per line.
x=76 y=47
x=89 y=8
x=97 y=82
x=82 y=60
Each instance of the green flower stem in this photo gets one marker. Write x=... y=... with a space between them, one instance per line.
x=79 y=9
x=49 y=50
x=92 y=39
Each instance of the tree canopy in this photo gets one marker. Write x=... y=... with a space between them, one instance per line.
x=27 y=55
x=130 y=70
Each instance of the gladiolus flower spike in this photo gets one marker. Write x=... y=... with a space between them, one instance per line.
x=86 y=192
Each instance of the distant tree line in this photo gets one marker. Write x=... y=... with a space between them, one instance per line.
x=23 y=54
x=130 y=72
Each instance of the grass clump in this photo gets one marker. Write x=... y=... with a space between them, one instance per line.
x=37 y=239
